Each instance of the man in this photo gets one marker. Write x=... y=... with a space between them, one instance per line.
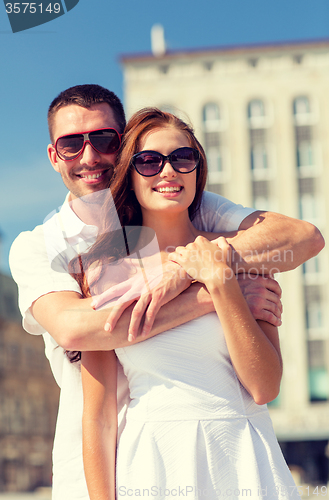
x=50 y=298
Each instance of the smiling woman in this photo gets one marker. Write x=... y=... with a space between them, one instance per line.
x=197 y=417
x=152 y=130
x=170 y=188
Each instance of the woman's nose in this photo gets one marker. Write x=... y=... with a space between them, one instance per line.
x=168 y=170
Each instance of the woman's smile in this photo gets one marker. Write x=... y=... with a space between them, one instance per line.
x=170 y=190
x=176 y=188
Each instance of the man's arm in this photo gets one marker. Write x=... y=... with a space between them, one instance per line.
x=271 y=242
x=75 y=326
x=265 y=244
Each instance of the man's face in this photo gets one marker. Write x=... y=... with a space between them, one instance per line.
x=91 y=171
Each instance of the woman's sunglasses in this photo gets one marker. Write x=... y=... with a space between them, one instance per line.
x=182 y=160
x=105 y=141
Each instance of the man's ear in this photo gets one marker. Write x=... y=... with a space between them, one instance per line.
x=53 y=158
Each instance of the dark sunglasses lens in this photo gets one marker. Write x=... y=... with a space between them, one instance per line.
x=68 y=147
x=147 y=163
x=105 y=141
x=185 y=159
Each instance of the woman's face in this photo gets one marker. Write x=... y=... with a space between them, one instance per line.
x=169 y=190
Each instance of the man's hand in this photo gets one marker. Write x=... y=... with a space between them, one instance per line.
x=167 y=284
x=263 y=296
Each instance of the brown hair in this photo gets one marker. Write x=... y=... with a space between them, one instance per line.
x=85 y=96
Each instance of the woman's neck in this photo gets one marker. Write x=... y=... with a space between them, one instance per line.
x=172 y=230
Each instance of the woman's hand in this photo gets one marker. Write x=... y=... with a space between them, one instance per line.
x=204 y=261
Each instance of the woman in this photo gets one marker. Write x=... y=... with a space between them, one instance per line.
x=197 y=424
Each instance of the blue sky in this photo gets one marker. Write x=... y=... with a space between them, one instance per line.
x=84 y=46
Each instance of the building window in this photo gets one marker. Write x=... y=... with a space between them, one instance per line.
x=258 y=157
x=312 y=266
x=304 y=154
x=318 y=371
x=260 y=189
x=306 y=186
x=257 y=135
x=305 y=158
x=214 y=159
x=308 y=207
x=259 y=160
x=211 y=115
x=212 y=126
x=301 y=106
x=304 y=148
x=260 y=195
x=256 y=108
x=314 y=307
x=314 y=316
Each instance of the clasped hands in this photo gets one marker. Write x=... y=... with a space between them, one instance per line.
x=200 y=260
x=205 y=261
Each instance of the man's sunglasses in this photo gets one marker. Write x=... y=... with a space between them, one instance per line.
x=150 y=163
x=105 y=141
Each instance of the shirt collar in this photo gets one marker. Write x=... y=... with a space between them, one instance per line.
x=71 y=224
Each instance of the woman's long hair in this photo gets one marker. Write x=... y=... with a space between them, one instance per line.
x=109 y=245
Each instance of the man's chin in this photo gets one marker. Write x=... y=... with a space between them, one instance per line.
x=89 y=190
x=91 y=195
x=95 y=197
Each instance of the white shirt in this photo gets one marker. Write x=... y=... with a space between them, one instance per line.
x=38 y=261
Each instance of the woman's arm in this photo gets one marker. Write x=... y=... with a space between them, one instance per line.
x=99 y=422
x=253 y=346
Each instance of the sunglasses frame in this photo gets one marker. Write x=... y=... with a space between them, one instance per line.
x=164 y=160
x=86 y=140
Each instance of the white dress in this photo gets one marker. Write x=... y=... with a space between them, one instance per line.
x=192 y=430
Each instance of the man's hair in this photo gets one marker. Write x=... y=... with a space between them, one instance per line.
x=86 y=96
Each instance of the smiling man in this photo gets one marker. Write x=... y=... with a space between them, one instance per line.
x=67 y=126
x=85 y=125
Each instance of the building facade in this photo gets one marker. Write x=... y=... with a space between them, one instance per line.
x=262 y=115
x=28 y=401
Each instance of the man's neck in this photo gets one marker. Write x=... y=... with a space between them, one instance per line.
x=88 y=207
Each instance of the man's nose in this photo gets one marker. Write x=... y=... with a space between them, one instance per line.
x=89 y=155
